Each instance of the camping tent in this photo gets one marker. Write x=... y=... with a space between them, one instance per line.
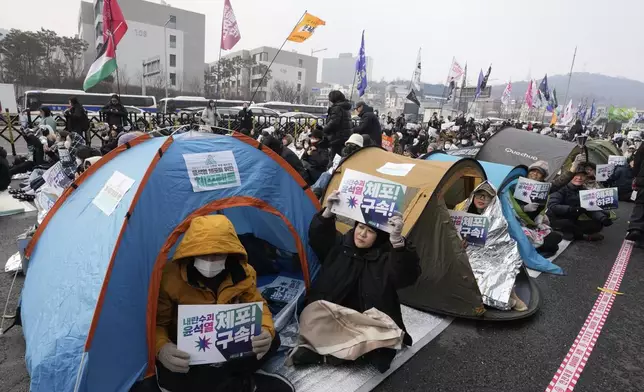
x=447 y=284
x=90 y=295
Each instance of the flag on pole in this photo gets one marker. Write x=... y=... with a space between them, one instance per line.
x=450 y=90
x=230 y=34
x=567 y=116
x=455 y=72
x=114 y=28
x=543 y=87
x=361 y=69
x=412 y=97
x=552 y=101
x=528 y=95
x=593 y=111
x=536 y=97
x=305 y=29
x=415 y=80
x=581 y=111
x=507 y=93
x=486 y=77
x=464 y=84
x=479 y=84
x=553 y=120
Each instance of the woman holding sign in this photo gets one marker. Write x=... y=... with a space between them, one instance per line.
x=361 y=273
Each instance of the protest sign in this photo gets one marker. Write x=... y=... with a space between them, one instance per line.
x=210 y=171
x=616 y=160
x=603 y=172
x=56 y=178
x=282 y=295
x=369 y=199
x=599 y=199
x=387 y=142
x=472 y=228
x=218 y=333
x=530 y=191
x=112 y=192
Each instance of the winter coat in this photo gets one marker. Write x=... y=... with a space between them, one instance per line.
x=638 y=167
x=5 y=174
x=209 y=117
x=246 y=119
x=562 y=202
x=289 y=156
x=49 y=121
x=360 y=280
x=182 y=284
x=622 y=178
x=77 y=120
x=318 y=162
x=115 y=114
x=338 y=123
x=369 y=125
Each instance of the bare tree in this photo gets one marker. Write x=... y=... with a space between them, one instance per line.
x=284 y=91
x=195 y=86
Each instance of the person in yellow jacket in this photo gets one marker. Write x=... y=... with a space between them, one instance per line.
x=210 y=266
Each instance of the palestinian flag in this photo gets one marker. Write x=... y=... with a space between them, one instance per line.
x=103 y=66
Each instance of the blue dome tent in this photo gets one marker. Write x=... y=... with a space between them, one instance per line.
x=503 y=177
x=88 y=306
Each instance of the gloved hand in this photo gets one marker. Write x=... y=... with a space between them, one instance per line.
x=174 y=359
x=532 y=207
x=580 y=158
x=577 y=211
x=262 y=343
x=395 y=237
x=333 y=198
x=607 y=222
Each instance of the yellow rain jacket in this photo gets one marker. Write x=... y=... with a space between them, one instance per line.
x=213 y=234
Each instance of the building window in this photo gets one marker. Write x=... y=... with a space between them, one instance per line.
x=172 y=22
x=173 y=79
x=173 y=60
x=173 y=41
x=300 y=63
x=299 y=75
x=299 y=87
x=263 y=56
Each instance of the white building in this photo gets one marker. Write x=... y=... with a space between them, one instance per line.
x=341 y=70
x=169 y=41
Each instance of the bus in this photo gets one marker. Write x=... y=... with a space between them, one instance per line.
x=57 y=100
x=175 y=104
x=285 y=107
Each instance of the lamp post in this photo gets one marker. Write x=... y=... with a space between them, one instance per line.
x=313 y=51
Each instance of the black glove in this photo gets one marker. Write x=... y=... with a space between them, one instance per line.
x=607 y=222
x=577 y=211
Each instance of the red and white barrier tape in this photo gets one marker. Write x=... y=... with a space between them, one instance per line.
x=573 y=364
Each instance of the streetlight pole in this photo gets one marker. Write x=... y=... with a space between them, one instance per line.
x=165 y=60
x=314 y=51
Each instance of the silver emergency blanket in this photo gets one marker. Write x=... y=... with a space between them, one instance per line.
x=496 y=265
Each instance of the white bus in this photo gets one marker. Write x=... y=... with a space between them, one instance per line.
x=175 y=104
x=57 y=100
x=285 y=107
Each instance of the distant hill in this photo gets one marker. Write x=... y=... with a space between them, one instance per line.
x=606 y=90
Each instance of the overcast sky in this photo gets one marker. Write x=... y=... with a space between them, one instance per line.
x=519 y=37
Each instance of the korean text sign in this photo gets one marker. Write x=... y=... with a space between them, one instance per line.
x=604 y=172
x=472 y=228
x=369 y=199
x=599 y=199
x=218 y=333
x=530 y=191
x=210 y=171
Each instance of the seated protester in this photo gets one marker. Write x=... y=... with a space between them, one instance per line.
x=84 y=159
x=47 y=118
x=210 y=266
x=317 y=155
x=567 y=216
x=5 y=175
x=67 y=145
x=126 y=137
x=622 y=179
x=36 y=155
x=533 y=218
x=564 y=178
x=478 y=202
x=352 y=145
x=110 y=141
x=361 y=270
x=591 y=179
x=286 y=153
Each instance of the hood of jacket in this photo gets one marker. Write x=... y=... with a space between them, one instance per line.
x=366 y=109
x=486 y=187
x=345 y=105
x=207 y=235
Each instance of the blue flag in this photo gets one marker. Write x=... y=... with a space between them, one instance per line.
x=361 y=69
x=543 y=87
x=479 y=84
x=593 y=111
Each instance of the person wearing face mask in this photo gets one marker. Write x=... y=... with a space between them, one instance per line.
x=209 y=114
x=76 y=117
x=114 y=112
x=533 y=218
x=316 y=156
x=567 y=215
x=210 y=266
x=622 y=179
x=245 y=118
x=361 y=273
x=352 y=145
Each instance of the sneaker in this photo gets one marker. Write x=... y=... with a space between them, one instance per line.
x=272 y=382
x=593 y=237
x=634 y=235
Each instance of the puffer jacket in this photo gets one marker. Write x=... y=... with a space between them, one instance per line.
x=638 y=167
x=182 y=284
x=338 y=123
x=370 y=125
x=622 y=179
x=562 y=202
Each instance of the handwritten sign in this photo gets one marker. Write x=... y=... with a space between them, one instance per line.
x=530 y=191
x=218 y=333
x=212 y=170
x=387 y=142
x=617 y=160
x=369 y=199
x=599 y=199
x=604 y=172
x=472 y=228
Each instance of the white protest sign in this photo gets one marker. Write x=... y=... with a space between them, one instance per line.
x=634 y=195
x=530 y=191
x=218 y=333
x=604 y=172
x=599 y=199
x=56 y=178
x=210 y=171
x=369 y=199
x=396 y=169
x=113 y=191
x=617 y=160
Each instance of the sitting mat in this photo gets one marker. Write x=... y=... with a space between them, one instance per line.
x=9 y=205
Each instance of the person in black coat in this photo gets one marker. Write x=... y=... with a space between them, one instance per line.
x=76 y=117
x=5 y=175
x=636 y=225
x=564 y=211
x=338 y=122
x=245 y=118
x=115 y=113
x=363 y=269
x=286 y=153
x=317 y=156
x=622 y=179
x=369 y=123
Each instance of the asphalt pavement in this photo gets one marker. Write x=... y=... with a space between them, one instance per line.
x=476 y=356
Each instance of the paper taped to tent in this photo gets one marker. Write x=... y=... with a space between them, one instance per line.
x=108 y=237
x=447 y=284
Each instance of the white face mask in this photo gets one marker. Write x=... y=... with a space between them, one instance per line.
x=448 y=146
x=210 y=266
x=67 y=144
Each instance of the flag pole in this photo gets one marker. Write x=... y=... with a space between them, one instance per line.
x=570 y=75
x=273 y=60
x=446 y=87
x=217 y=86
x=353 y=84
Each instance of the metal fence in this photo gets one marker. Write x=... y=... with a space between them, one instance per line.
x=13 y=126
